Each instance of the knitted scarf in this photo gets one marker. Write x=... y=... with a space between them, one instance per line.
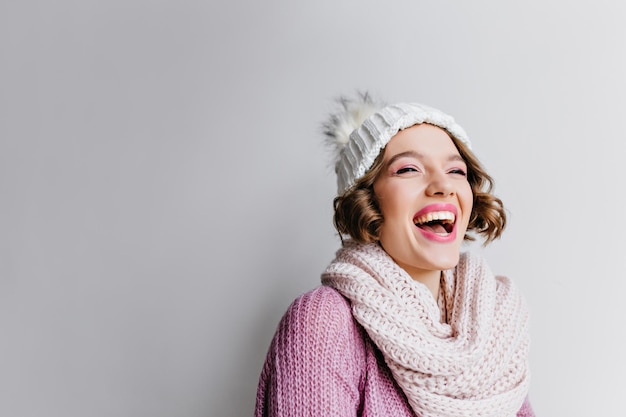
x=474 y=363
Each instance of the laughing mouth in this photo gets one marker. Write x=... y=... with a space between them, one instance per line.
x=438 y=222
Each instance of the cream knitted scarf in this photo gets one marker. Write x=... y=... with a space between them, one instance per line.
x=474 y=363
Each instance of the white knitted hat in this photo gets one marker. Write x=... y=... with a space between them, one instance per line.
x=362 y=128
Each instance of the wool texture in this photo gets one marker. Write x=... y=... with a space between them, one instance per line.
x=321 y=362
x=472 y=363
x=362 y=127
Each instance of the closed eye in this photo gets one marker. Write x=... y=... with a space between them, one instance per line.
x=406 y=169
x=459 y=172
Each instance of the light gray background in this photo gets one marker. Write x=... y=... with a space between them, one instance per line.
x=165 y=193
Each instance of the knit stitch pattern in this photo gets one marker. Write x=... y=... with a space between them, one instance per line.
x=357 y=153
x=476 y=364
x=321 y=362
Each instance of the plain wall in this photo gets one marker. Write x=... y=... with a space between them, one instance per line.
x=165 y=192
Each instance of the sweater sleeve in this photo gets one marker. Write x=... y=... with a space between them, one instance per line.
x=526 y=410
x=315 y=362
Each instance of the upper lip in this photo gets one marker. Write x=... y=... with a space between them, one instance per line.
x=439 y=211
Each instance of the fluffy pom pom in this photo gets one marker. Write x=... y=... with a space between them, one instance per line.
x=351 y=113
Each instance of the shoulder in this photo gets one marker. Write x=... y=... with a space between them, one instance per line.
x=316 y=361
x=324 y=300
x=321 y=312
x=318 y=334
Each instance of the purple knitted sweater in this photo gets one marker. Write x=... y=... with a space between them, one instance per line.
x=321 y=362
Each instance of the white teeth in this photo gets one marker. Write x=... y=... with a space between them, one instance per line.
x=435 y=215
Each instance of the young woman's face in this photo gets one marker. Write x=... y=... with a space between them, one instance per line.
x=425 y=199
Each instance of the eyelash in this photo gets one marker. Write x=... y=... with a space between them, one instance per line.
x=459 y=171
x=406 y=169
x=412 y=169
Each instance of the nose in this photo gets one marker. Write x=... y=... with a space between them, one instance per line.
x=439 y=185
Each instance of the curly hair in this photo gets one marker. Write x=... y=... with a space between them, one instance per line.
x=358 y=215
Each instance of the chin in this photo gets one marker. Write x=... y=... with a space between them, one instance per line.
x=446 y=261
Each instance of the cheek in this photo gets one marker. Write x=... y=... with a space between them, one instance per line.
x=468 y=202
x=466 y=194
x=392 y=206
x=391 y=209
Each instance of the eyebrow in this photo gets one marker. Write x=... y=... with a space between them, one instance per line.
x=417 y=155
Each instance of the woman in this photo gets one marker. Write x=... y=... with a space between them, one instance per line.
x=404 y=323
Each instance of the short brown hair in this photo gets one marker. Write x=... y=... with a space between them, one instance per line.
x=358 y=215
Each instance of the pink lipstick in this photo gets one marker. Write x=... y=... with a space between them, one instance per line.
x=437 y=222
